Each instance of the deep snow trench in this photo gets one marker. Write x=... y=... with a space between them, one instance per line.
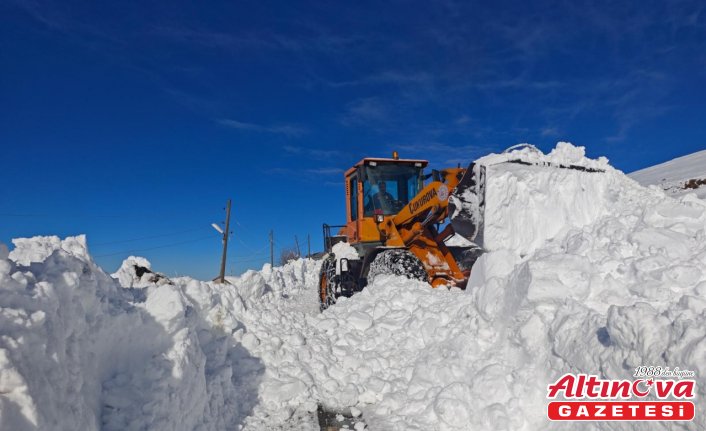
x=584 y=272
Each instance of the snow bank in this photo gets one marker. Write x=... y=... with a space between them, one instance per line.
x=585 y=272
x=77 y=351
x=686 y=174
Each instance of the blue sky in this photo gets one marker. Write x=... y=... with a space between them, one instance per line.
x=133 y=122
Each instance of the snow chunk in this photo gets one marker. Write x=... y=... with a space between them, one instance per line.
x=343 y=250
x=456 y=240
x=361 y=321
x=137 y=272
x=38 y=248
x=454 y=405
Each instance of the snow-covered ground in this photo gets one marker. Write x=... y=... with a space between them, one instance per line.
x=686 y=174
x=585 y=272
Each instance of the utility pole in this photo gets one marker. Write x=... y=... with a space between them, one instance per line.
x=308 y=246
x=222 y=275
x=272 y=249
x=296 y=241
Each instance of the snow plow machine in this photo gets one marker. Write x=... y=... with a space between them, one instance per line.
x=400 y=221
x=398 y=225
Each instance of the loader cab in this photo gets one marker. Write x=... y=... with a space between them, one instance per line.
x=379 y=187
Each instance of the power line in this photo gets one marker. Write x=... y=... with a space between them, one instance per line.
x=245 y=256
x=262 y=259
x=249 y=248
x=108 y=216
x=154 y=248
x=254 y=252
x=148 y=237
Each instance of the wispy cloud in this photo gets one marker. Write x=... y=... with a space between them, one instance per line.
x=628 y=117
x=364 y=111
x=284 y=129
x=307 y=174
x=463 y=120
x=555 y=65
x=314 y=153
x=324 y=171
x=49 y=16
x=442 y=154
x=642 y=99
x=395 y=77
x=519 y=83
x=549 y=132
x=316 y=39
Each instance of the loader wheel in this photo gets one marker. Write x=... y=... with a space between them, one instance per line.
x=327 y=282
x=397 y=262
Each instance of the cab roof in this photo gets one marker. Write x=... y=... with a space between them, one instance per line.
x=367 y=160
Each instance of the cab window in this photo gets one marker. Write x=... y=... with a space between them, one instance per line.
x=387 y=188
x=353 y=184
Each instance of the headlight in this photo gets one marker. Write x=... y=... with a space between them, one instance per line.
x=379 y=218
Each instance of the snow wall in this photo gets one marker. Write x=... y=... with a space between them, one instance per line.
x=528 y=204
x=585 y=272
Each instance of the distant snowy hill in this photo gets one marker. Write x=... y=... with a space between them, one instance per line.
x=681 y=175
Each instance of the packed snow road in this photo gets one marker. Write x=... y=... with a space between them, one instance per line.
x=582 y=274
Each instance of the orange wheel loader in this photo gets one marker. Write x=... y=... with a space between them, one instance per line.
x=398 y=219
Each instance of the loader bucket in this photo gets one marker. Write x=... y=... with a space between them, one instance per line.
x=467 y=200
x=466 y=203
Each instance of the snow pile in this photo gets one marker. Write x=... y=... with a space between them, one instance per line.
x=625 y=291
x=37 y=249
x=77 y=351
x=564 y=154
x=54 y=349
x=686 y=174
x=137 y=272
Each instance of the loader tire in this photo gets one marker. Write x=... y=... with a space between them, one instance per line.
x=397 y=262
x=327 y=282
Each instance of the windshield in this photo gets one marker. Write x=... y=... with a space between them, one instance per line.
x=388 y=188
